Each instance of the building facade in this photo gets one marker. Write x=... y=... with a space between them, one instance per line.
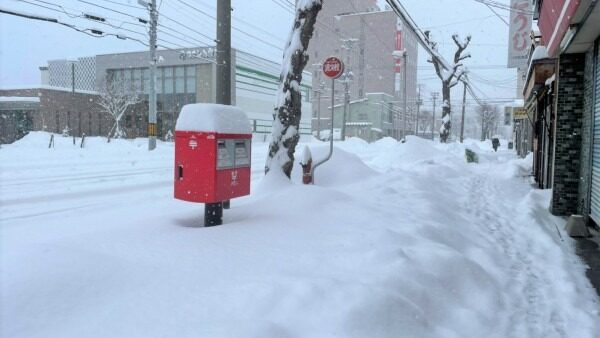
x=55 y=110
x=183 y=76
x=570 y=32
x=366 y=38
x=369 y=118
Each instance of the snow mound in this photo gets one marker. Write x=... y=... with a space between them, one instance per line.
x=342 y=169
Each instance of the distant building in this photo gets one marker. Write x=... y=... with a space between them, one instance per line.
x=369 y=118
x=365 y=38
x=50 y=109
x=183 y=76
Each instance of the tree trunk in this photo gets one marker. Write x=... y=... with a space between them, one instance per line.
x=446 y=109
x=285 y=133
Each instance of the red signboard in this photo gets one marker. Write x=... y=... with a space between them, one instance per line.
x=398 y=67
x=333 y=67
x=555 y=17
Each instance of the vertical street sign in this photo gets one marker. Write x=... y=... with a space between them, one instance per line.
x=519 y=31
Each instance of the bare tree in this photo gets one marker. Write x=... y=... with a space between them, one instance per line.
x=489 y=115
x=115 y=98
x=425 y=121
x=285 y=132
x=450 y=76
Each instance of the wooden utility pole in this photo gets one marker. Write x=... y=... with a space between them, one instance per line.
x=462 y=122
x=213 y=212
x=434 y=96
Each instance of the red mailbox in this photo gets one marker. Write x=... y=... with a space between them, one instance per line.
x=212 y=153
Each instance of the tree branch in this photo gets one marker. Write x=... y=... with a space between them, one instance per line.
x=461 y=47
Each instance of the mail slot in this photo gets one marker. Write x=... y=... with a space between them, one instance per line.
x=212 y=153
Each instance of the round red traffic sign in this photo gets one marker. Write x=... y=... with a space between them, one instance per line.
x=333 y=67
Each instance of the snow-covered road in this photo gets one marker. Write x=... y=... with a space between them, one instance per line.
x=395 y=240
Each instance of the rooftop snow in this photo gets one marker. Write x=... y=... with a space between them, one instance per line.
x=209 y=117
x=539 y=53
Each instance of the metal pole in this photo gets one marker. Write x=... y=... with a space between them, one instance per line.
x=223 y=52
x=319 y=113
x=346 y=108
x=404 y=89
x=312 y=172
x=462 y=123
x=213 y=212
x=434 y=96
x=152 y=94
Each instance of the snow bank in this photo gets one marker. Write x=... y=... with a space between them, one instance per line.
x=210 y=117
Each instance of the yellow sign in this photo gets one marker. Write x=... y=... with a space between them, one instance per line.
x=520 y=114
x=151 y=129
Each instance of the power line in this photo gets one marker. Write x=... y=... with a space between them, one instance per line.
x=234 y=28
x=89 y=31
x=112 y=10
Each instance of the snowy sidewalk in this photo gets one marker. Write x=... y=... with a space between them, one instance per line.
x=395 y=240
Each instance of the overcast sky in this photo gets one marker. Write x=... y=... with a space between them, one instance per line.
x=26 y=44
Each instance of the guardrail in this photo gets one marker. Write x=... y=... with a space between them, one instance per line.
x=260 y=126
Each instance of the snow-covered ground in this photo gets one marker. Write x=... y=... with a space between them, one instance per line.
x=394 y=240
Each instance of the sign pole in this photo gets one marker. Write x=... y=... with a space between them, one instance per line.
x=333 y=69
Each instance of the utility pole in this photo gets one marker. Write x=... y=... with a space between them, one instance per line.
x=318 y=91
x=462 y=122
x=152 y=93
x=224 y=52
x=404 y=89
x=213 y=212
x=348 y=45
x=419 y=103
x=483 y=124
x=434 y=96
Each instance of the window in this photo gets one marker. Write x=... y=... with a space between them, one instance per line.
x=179 y=80
x=168 y=80
x=146 y=81
x=190 y=79
x=137 y=79
x=160 y=80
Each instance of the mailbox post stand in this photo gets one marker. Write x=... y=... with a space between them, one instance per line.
x=213 y=214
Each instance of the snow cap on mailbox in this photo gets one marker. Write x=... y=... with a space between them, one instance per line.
x=210 y=117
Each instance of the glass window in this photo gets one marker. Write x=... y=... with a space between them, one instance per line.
x=137 y=79
x=190 y=85
x=168 y=80
x=190 y=79
x=160 y=80
x=169 y=85
x=146 y=80
x=179 y=71
x=179 y=85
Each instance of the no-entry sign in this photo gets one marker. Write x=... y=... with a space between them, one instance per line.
x=333 y=67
